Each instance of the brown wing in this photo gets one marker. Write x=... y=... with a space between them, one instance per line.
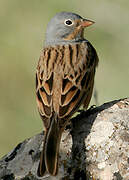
x=44 y=83
x=63 y=77
x=78 y=78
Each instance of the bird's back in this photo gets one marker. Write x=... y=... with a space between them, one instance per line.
x=63 y=76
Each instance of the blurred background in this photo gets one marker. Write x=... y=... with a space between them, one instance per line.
x=22 y=29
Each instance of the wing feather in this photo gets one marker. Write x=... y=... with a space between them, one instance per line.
x=44 y=83
x=77 y=88
x=67 y=85
x=67 y=97
x=75 y=64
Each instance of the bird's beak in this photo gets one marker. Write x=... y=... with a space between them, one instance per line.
x=86 y=23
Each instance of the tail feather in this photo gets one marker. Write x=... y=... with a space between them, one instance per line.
x=49 y=156
x=42 y=167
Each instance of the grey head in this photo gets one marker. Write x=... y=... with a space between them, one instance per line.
x=66 y=27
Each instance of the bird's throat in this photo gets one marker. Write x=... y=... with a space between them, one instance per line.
x=77 y=34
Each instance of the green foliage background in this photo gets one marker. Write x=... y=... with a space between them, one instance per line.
x=22 y=28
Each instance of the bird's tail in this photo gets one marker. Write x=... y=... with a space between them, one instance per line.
x=49 y=155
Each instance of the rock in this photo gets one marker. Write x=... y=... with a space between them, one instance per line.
x=95 y=147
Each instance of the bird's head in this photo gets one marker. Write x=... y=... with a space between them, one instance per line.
x=66 y=27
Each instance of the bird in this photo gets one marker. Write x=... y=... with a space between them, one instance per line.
x=64 y=81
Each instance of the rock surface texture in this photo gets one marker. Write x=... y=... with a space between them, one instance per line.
x=94 y=147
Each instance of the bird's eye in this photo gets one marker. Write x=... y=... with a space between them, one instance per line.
x=68 y=22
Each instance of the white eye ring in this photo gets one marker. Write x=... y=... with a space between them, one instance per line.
x=68 y=22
